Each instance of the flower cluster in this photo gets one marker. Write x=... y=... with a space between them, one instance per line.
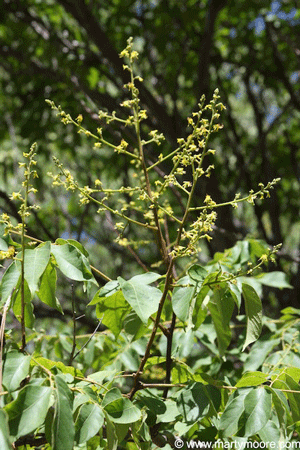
x=146 y=201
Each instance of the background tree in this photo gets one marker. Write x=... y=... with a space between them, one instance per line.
x=68 y=51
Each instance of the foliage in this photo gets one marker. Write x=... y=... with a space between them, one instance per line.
x=68 y=51
x=157 y=373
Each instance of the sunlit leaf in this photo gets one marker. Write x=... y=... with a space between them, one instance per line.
x=9 y=281
x=47 y=290
x=146 y=278
x=28 y=306
x=35 y=262
x=197 y=273
x=270 y=432
x=112 y=437
x=274 y=279
x=112 y=311
x=134 y=327
x=29 y=410
x=108 y=289
x=221 y=309
x=119 y=408
x=194 y=401
x=4 y=431
x=181 y=301
x=293 y=396
x=63 y=430
x=257 y=410
x=49 y=364
x=15 y=369
x=71 y=262
x=234 y=409
x=73 y=242
x=281 y=406
x=142 y=298
x=252 y=379
x=253 y=314
x=89 y=420
x=259 y=351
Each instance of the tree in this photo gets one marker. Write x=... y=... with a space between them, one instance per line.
x=155 y=334
x=68 y=51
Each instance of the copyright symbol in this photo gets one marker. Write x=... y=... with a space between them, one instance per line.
x=178 y=443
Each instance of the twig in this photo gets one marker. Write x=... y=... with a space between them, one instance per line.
x=129 y=248
x=154 y=330
x=31 y=440
x=160 y=385
x=90 y=338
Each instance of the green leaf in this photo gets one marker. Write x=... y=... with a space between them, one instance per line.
x=259 y=351
x=71 y=262
x=3 y=245
x=197 y=273
x=101 y=375
x=171 y=412
x=200 y=313
x=234 y=409
x=213 y=278
x=119 y=408
x=93 y=77
x=251 y=281
x=142 y=298
x=274 y=279
x=107 y=290
x=134 y=327
x=281 y=406
x=4 y=239
x=35 y=262
x=181 y=299
x=49 y=364
x=63 y=430
x=153 y=403
x=253 y=314
x=187 y=299
x=121 y=430
x=221 y=309
x=73 y=242
x=29 y=410
x=112 y=437
x=15 y=369
x=28 y=306
x=4 y=431
x=244 y=252
x=113 y=310
x=257 y=248
x=9 y=281
x=290 y=310
x=194 y=401
x=181 y=373
x=270 y=432
x=89 y=420
x=154 y=361
x=252 y=379
x=293 y=397
x=47 y=290
x=236 y=294
x=146 y=278
x=294 y=373
x=257 y=410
